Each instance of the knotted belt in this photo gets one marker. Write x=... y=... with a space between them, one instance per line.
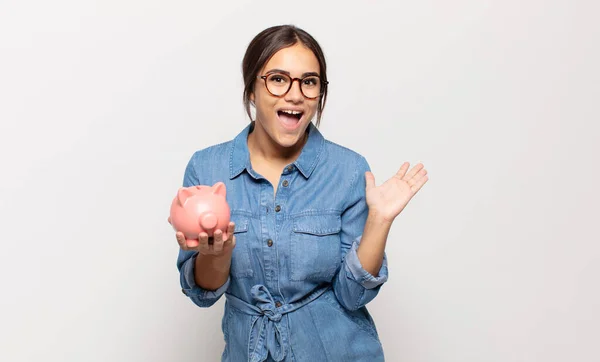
x=267 y=318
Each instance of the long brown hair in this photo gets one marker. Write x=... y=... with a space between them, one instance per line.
x=268 y=42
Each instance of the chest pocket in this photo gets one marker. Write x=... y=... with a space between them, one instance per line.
x=315 y=247
x=240 y=258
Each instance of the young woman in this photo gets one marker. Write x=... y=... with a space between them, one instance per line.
x=304 y=252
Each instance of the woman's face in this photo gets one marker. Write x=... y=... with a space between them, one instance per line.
x=273 y=113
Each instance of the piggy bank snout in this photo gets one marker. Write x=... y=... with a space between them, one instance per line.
x=208 y=221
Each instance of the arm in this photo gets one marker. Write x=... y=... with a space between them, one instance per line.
x=203 y=277
x=210 y=271
x=363 y=237
x=365 y=266
x=371 y=250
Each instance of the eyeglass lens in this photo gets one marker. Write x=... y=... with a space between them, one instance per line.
x=279 y=84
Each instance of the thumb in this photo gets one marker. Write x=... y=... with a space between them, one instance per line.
x=370 y=180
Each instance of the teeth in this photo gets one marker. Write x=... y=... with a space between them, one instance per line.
x=290 y=112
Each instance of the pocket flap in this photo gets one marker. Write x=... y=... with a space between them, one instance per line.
x=318 y=224
x=241 y=223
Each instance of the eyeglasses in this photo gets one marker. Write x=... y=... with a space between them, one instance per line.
x=279 y=84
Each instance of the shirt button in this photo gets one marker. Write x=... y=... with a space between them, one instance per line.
x=290 y=168
x=270 y=243
x=285 y=183
x=277 y=208
x=278 y=304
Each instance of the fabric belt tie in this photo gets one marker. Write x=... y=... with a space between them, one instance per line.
x=266 y=321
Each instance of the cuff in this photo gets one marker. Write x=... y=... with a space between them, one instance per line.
x=189 y=283
x=360 y=275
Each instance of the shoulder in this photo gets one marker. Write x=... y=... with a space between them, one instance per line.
x=342 y=155
x=208 y=165
x=344 y=168
x=216 y=153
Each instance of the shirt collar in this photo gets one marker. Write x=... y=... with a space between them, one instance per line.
x=239 y=158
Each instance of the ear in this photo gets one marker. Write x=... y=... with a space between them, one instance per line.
x=219 y=189
x=182 y=195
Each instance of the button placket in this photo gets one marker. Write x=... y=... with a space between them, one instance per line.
x=267 y=225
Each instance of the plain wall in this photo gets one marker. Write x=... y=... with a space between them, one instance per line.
x=102 y=103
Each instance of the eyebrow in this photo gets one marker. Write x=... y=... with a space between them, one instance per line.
x=288 y=73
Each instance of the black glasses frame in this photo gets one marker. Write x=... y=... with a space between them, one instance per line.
x=324 y=84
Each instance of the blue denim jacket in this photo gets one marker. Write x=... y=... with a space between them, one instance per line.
x=296 y=290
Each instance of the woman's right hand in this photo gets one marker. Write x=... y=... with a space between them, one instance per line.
x=221 y=244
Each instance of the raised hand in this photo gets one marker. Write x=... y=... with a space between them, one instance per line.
x=389 y=199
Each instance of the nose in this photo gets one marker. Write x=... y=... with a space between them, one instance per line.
x=295 y=94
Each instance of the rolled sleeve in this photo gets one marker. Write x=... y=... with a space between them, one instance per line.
x=200 y=296
x=355 y=287
x=355 y=270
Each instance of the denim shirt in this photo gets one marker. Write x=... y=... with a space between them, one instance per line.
x=296 y=289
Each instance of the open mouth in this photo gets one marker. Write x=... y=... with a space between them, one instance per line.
x=289 y=118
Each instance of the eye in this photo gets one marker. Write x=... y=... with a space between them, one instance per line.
x=310 y=81
x=277 y=78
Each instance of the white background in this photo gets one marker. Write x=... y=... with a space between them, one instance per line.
x=102 y=104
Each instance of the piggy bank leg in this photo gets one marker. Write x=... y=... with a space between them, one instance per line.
x=192 y=243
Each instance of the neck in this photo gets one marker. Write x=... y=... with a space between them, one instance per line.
x=260 y=144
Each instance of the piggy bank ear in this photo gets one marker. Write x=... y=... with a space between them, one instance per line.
x=219 y=189
x=182 y=195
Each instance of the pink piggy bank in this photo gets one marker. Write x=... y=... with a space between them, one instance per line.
x=199 y=209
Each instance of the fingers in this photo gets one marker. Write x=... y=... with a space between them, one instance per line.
x=418 y=167
x=370 y=180
x=181 y=240
x=203 y=247
x=229 y=239
x=215 y=245
x=230 y=242
x=228 y=233
x=416 y=178
x=417 y=182
x=402 y=171
x=218 y=242
x=417 y=186
x=185 y=244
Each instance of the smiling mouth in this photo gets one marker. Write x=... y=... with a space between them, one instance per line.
x=289 y=118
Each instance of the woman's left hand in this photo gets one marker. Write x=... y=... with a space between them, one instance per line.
x=390 y=198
